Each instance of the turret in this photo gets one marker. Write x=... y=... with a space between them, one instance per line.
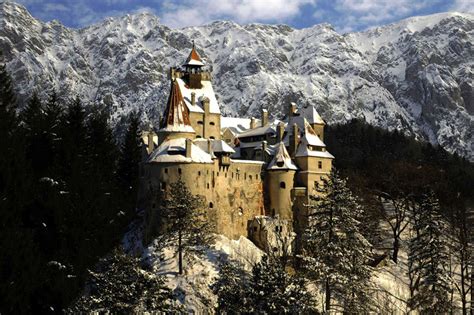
x=193 y=68
x=175 y=122
x=316 y=122
x=280 y=180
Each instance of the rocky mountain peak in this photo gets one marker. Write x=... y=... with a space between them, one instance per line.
x=415 y=75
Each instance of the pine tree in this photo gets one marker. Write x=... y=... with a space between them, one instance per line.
x=269 y=290
x=52 y=128
x=129 y=160
x=336 y=252
x=428 y=252
x=272 y=290
x=230 y=289
x=122 y=286
x=185 y=222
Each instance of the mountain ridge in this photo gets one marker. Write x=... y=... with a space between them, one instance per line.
x=414 y=75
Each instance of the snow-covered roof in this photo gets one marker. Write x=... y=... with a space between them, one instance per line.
x=176 y=117
x=236 y=125
x=311 y=137
x=174 y=151
x=281 y=160
x=205 y=91
x=303 y=150
x=194 y=59
x=219 y=146
x=271 y=128
x=311 y=114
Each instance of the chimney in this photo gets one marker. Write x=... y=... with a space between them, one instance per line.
x=264 y=150
x=280 y=131
x=193 y=98
x=264 y=117
x=151 y=144
x=253 y=123
x=209 y=147
x=188 y=147
x=292 y=109
x=172 y=73
x=205 y=104
x=294 y=140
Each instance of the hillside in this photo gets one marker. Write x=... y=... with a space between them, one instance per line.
x=415 y=75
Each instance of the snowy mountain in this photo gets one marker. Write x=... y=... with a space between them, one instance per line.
x=415 y=75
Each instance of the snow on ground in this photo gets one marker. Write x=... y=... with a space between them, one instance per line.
x=193 y=288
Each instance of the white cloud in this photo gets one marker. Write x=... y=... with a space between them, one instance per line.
x=360 y=14
x=463 y=6
x=195 y=12
x=55 y=7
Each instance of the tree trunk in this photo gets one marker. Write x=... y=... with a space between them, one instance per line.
x=180 y=254
x=463 y=283
x=396 y=246
x=328 y=296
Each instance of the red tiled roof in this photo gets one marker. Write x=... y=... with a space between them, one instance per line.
x=176 y=113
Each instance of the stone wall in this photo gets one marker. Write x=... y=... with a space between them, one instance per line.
x=232 y=195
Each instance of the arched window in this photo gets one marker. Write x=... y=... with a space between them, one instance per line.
x=212 y=123
x=282 y=185
x=211 y=205
x=200 y=123
x=179 y=171
x=199 y=173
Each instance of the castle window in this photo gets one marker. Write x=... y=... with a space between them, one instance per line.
x=280 y=163
x=207 y=185
x=163 y=186
x=211 y=138
x=232 y=174
x=250 y=177
x=200 y=123
x=320 y=164
x=282 y=185
x=199 y=173
x=255 y=229
x=256 y=177
x=179 y=171
x=166 y=171
x=198 y=137
x=211 y=205
x=218 y=174
x=212 y=123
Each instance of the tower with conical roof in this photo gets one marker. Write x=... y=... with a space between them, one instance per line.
x=280 y=182
x=175 y=122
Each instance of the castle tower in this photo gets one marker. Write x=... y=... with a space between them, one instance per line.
x=316 y=122
x=313 y=160
x=193 y=69
x=280 y=181
x=175 y=122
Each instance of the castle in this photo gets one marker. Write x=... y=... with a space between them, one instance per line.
x=255 y=176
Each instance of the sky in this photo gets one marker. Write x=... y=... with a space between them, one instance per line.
x=344 y=15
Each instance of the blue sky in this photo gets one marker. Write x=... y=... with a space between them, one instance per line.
x=344 y=15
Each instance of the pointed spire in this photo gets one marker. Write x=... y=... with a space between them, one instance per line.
x=281 y=160
x=176 y=117
x=311 y=114
x=194 y=59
